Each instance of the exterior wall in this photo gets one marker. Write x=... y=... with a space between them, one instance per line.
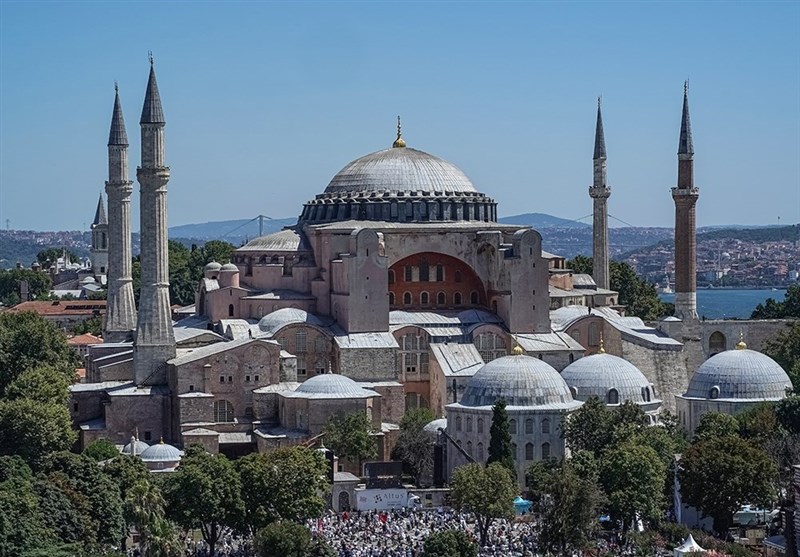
x=393 y=402
x=147 y=413
x=87 y=405
x=209 y=442
x=665 y=369
x=218 y=302
x=195 y=409
x=691 y=410
x=312 y=414
x=317 y=355
x=367 y=302
x=754 y=331
x=368 y=364
x=452 y=269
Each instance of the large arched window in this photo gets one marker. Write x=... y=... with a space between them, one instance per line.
x=458 y=423
x=469 y=448
x=716 y=342
x=473 y=298
x=407 y=299
x=391 y=276
x=490 y=346
x=469 y=424
x=230 y=310
x=512 y=427
x=480 y=455
x=457 y=299
x=439 y=272
x=391 y=298
x=413 y=353
x=480 y=425
x=441 y=299
x=613 y=396
x=545 y=450
x=546 y=425
x=424 y=299
x=529 y=427
x=300 y=341
x=528 y=451
x=223 y=411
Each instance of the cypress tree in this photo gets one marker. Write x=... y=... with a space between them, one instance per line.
x=500 y=439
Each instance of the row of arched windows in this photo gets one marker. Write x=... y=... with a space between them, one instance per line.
x=466 y=424
x=460 y=423
x=423 y=273
x=441 y=298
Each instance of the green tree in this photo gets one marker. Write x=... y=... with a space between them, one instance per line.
x=350 y=436
x=633 y=479
x=22 y=524
x=414 y=445
x=205 y=493
x=100 y=450
x=287 y=484
x=488 y=492
x=126 y=471
x=449 y=543
x=42 y=383
x=144 y=509
x=283 y=539
x=789 y=307
x=785 y=349
x=34 y=429
x=92 y=325
x=716 y=424
x=589 y=427
x=759 y=424
x=500 y=439
x=788 y=413
x=718 y=475
x=62 y=508
x=52 y=254
x=10 y=280
x=28 y=340
x=181 y=283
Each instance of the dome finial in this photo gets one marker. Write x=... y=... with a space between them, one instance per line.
x=602 y=347
x=741 y=345
x=399 y=142
x=518 y=351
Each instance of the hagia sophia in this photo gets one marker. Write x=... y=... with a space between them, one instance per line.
x=396 y=289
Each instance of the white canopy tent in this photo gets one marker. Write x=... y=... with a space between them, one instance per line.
x=688 y=547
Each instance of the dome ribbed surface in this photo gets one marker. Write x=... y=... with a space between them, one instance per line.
x=229 y=267
x=520 y=381
x=739 y=374
x=161 y=452
x=398 y=170
x=213 y=266
x=597 y=374
x=330 y=385
x=140 y=446
x=289 y=239
x=276 y=320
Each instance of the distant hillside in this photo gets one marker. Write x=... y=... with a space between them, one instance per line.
x=233 y=231
x=771 y=234
x=542 y=220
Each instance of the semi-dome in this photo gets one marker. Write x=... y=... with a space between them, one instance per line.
x=522 y=381
x=161 y=452
x=139 y=446
x=739 y=374
x=601 y=374
x=273 y=322
x=399 y=170
x=330 y=385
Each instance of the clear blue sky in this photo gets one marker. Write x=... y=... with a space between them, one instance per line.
x=265 y=102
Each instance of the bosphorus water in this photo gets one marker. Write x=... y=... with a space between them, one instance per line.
x=729 y=303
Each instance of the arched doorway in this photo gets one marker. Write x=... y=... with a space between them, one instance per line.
x=344 y=501
x=716 y=343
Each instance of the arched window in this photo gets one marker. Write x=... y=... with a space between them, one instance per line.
x=300 y=341
x=479 y=456
x=458 y=423
x=469 y=424
x=528 y=451
x=716 y=342
x=546 y=425
x=512 y=427
x=714 y=392
x=223 y=411
x=457 y=299
x=613 y=396
x=455 y=396
x=469 y=448
x=423 y=298
x=441 y=299
x=458 y=276
x=439 y=272
x=491 y=346
x=529 y=427
x=391 y=298
x=514 y=451
x=646 y=394
x=391 y=276
x=424 y=271
x=571 y=357
x=230 y=310
x=545 y=450
x=473 y=298
x=574 y=392
x=480 y=425
x=407 y=299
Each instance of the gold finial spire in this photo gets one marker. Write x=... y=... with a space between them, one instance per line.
x=518 y=351
x=399 y=142
x=741 y=344
x=602 y=347
x=162 y=441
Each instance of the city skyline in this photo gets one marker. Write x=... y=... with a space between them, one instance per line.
x=266 y=102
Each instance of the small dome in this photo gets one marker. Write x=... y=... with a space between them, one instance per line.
x=739 y=374
x=229 y=267
x=87 y=280
x=140 y=447
x=434 y=426
x=161 y=452
x=330 y=384
x=597 y=374
x=399 y=170
x=521 y=381
x=213 y=266
x=273 y=322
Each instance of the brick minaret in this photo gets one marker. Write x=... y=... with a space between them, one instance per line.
x=600 y=192
x=120 y=309
x=685 y=196
x=99 y=249
x=155 y=340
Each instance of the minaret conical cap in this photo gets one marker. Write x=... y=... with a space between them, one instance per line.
x=100 y=213
x=117 y=135
x=152 y=113
x=599 y=136
x=685 y=146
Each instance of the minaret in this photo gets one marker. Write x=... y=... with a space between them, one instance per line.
x=99 y=249
x=600 y=192
x=120 y=308
x=685 y=196
x=155 y=340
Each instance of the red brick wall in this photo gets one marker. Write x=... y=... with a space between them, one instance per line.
x=453 y=268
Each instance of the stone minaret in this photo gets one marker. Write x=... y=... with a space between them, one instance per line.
x=99 y=249
x=600 y=192
x=685 y=196
x=155 y=340
x=120 y=309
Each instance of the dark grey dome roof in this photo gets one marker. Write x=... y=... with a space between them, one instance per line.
x=400 y=170
x=161 y=452
x=739 y=374
x=520 y=381
x=597 y=374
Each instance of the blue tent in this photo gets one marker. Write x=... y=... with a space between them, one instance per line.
x=521 y=505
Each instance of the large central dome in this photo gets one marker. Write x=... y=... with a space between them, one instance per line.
x=399 y=170
x=399 y=185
